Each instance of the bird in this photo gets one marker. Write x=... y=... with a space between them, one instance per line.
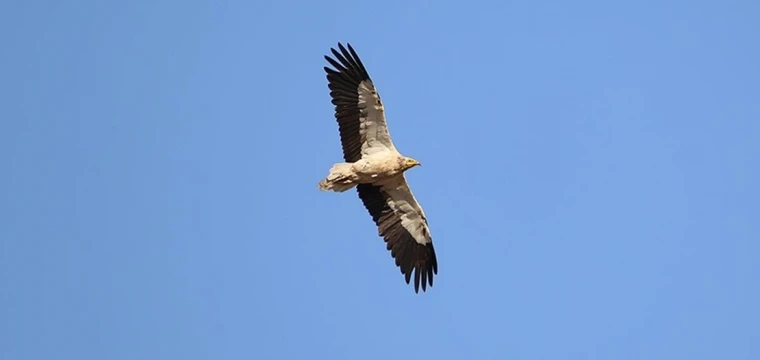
x=376 y=169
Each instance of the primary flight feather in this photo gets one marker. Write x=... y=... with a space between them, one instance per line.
x=374 y=166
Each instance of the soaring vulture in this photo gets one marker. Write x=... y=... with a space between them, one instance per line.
x=374 y=166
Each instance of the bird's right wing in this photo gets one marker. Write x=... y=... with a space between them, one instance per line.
x=358 y=108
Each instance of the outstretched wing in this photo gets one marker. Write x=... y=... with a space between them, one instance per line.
x=402 y=224
x=358 y=108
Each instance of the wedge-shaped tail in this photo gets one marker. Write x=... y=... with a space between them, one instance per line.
x=340 y=178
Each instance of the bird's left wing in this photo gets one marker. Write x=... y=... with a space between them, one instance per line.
x=402 y=224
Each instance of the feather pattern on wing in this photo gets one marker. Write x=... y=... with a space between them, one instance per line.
x=402 y=224
x=358 y=107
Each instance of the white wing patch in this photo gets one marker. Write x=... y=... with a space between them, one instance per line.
x=411 y=220
x=372 y=125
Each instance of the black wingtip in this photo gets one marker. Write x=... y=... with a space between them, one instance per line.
x=345 y=59
x=340 y=48
x=423 y=269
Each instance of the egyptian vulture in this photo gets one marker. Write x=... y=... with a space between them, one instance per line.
x=374 y=166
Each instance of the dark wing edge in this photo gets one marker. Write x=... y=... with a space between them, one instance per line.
x=343 y=82
x=410 y=256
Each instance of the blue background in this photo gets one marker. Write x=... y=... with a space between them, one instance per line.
x=590 y=173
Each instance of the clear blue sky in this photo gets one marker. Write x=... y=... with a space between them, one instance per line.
x=590 y=174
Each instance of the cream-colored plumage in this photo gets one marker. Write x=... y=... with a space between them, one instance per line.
x=374 y=166
x=377 y=168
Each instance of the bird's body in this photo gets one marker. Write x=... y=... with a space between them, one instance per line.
x=376 y=169
x=379 y=168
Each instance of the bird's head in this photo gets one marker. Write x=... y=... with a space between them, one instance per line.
x=410 y=163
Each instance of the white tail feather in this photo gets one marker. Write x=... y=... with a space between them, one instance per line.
x=339 y=179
